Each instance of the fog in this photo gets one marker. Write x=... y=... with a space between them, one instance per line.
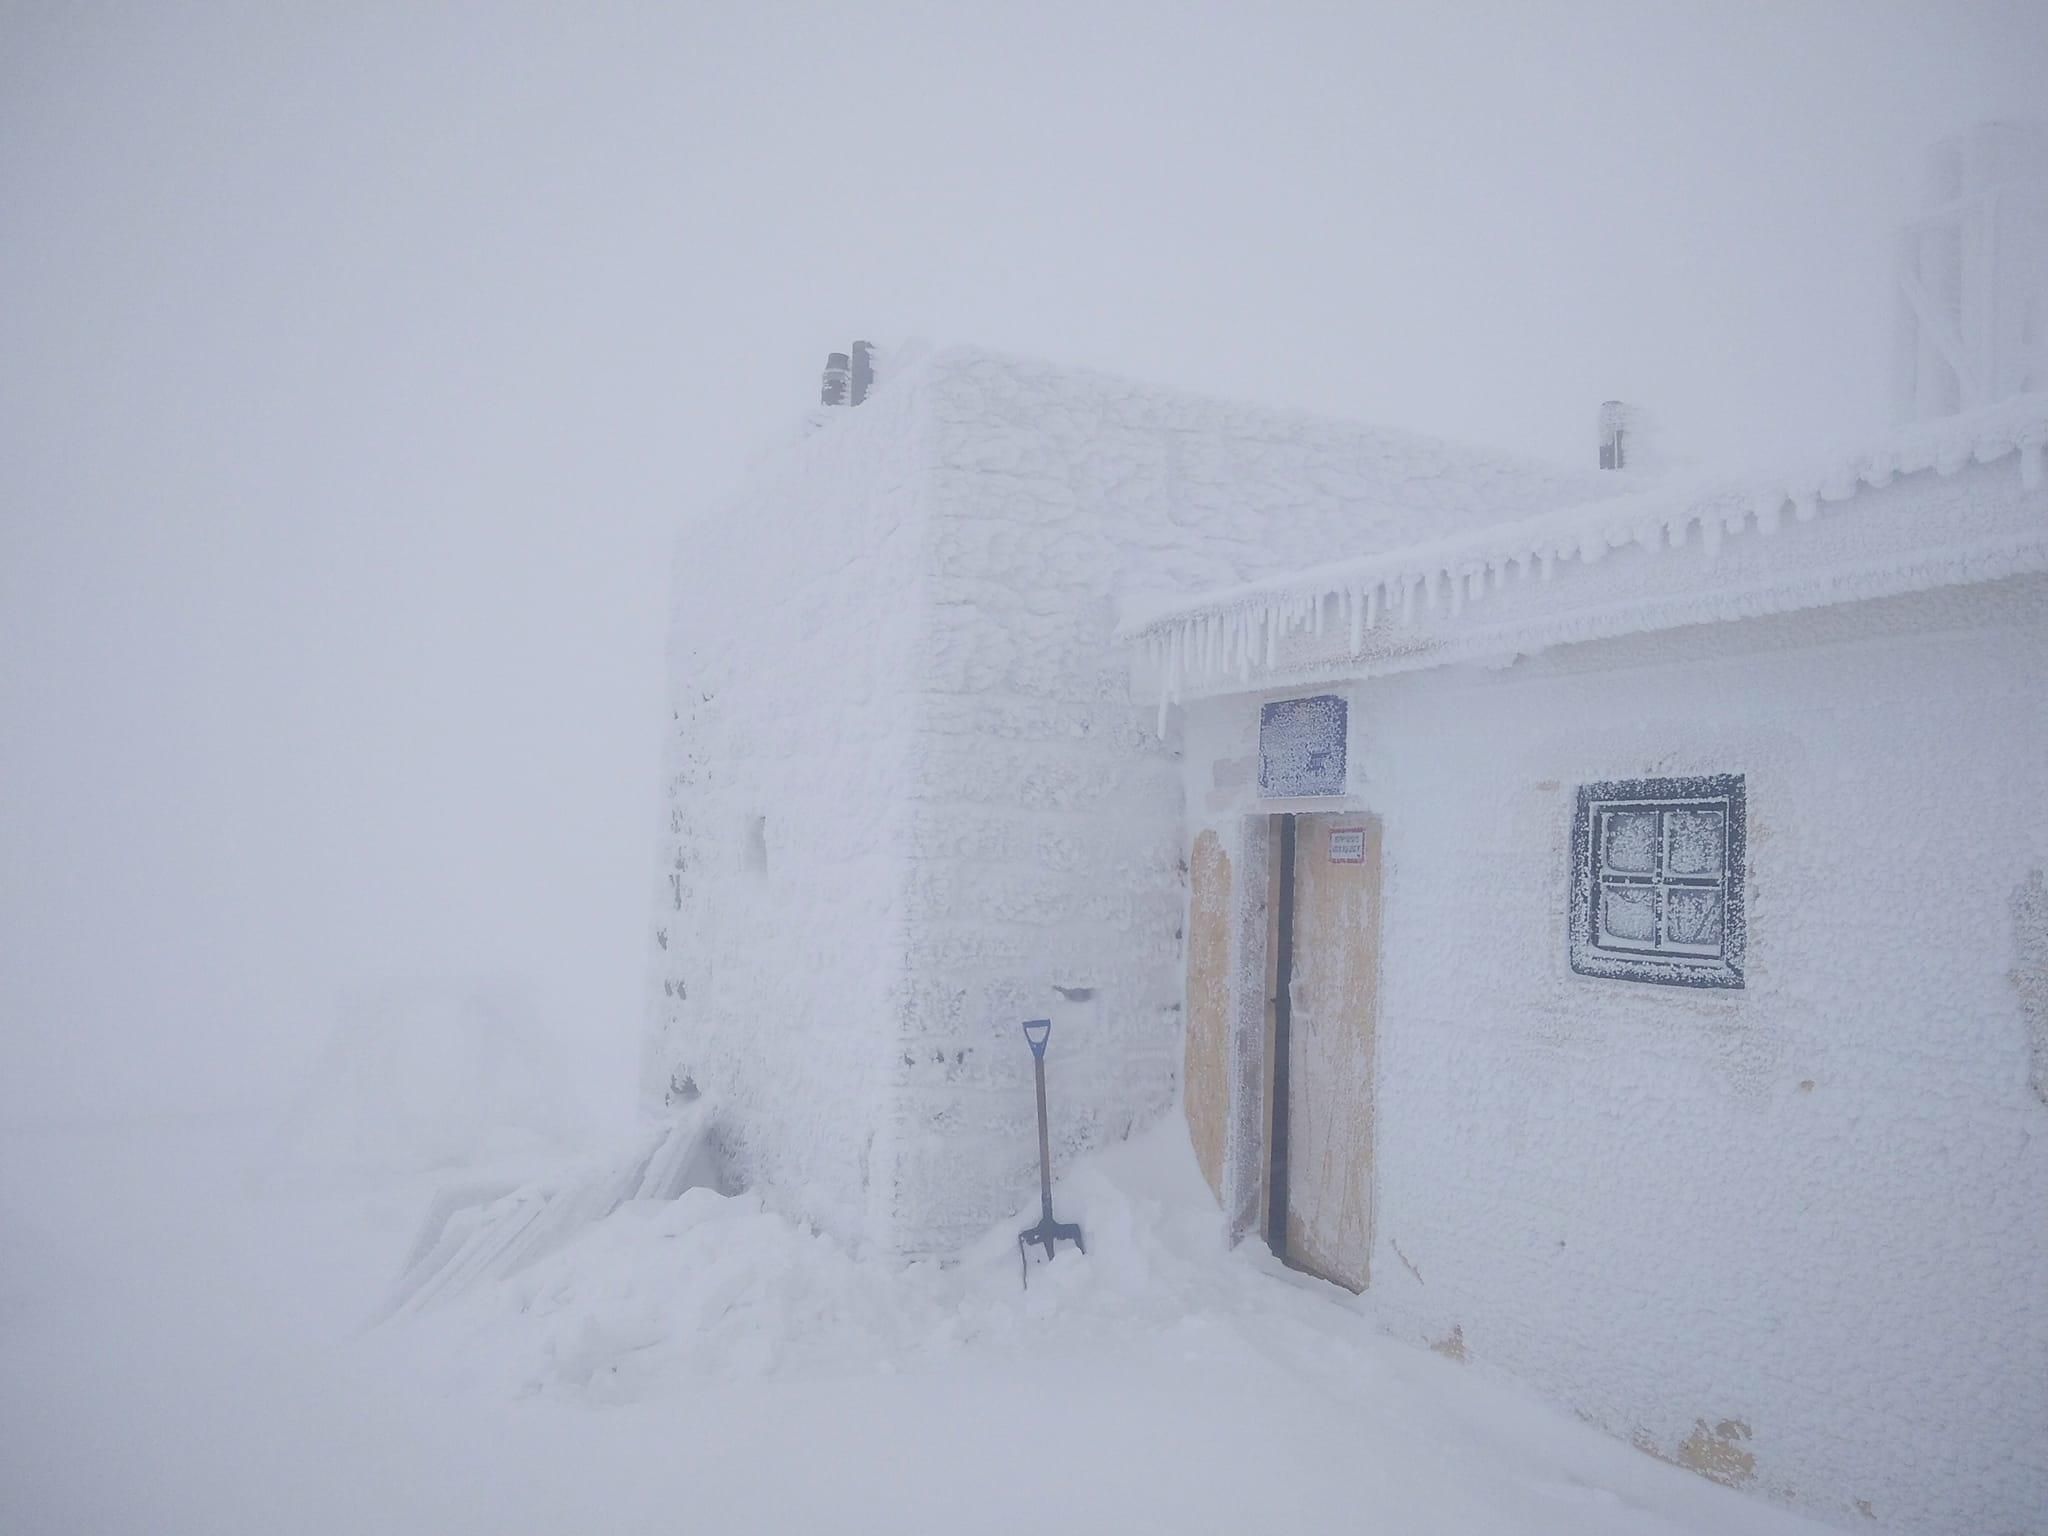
x=359 y=366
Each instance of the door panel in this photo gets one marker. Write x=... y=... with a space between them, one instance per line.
x=1206 y=1092
x=1334 y=992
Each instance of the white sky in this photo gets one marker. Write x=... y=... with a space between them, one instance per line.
x=357 y=364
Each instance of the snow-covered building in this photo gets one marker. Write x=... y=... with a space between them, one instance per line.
x=1603 y=923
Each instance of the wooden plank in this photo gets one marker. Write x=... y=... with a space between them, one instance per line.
x=1331 y=1046
x=1207 y=1073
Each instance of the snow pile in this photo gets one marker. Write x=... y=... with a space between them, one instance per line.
x=773 y=1380
x=1156 y=1384
x=721 y=1287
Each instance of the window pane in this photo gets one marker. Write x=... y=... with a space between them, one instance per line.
x=1697 y=838
x=1692 y=915
x=1629 y=841
x=1628 y=913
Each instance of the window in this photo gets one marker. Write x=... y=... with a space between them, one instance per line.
x=1657 y=881
x=1301 y=746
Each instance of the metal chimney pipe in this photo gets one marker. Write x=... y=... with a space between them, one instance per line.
x=833 y=392
x=1614 y=434
x=863 y=371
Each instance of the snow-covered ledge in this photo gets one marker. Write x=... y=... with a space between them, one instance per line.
x=1920 y=522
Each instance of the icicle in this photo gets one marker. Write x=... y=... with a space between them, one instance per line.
x=2030 y=466
x=1407 y=600
x=1675 y=530
x=1429 y=591
x=1372 y=606
x=1456 y=583
x=1770 y=513
x=1167 y=683
x=1499 y=572
x=1710 y=535
x=1805 y=506
x=1356 y=613
x=1547 y=564
x=1272 y=636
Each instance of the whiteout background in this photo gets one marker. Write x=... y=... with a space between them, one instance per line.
x=357 y=370
x=357 y=367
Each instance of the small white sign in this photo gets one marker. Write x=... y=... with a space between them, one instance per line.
x=1347 y=845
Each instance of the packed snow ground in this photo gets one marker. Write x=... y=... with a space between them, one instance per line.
x=185 y=1350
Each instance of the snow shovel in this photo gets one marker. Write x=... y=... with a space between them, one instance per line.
x=1048 y=1231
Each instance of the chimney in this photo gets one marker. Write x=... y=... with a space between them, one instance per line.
x=1617 y=427
x=863 y=373
x=834 y=390
x=1973 y=274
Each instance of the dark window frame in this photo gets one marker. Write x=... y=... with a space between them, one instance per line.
x=1324 y=776
x=1660 y=960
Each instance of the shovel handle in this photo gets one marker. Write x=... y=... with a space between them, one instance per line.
x=1036 y=1033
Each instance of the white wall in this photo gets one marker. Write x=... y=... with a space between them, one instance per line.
x=1816 y=1207
x=777 y=979
x=1045 y=820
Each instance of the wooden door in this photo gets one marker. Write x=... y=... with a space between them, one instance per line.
x=1333 y=990
x=1206 y=1097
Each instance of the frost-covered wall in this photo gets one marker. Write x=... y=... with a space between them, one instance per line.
x=1045 y=818
x=780 y=902
x=913 y=798
x=1794 y=1235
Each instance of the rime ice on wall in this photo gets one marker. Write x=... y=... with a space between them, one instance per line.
x=782 y=880
x=1046 y=817
x=912 y=791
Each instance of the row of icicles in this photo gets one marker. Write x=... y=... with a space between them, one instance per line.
x=1230 y=641
x=1232 y=638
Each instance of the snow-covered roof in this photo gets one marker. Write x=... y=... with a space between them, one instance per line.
x=1205 y=489
x=1189 y=490
x=1518 y=585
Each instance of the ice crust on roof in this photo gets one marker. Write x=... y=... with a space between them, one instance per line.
x=1231 y=632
